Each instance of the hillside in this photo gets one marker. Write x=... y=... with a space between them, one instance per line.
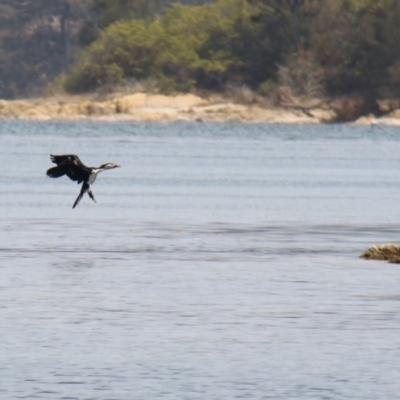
x=305 y=48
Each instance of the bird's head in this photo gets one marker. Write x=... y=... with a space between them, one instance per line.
x=109 y=166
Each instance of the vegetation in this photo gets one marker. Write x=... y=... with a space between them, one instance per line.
x=310 y=47
x=187 y=47
x=35 y=42
x=388 y=251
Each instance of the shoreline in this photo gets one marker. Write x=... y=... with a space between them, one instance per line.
x=142 y=107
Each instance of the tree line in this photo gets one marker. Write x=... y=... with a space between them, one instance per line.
x=41 y=39
x=313 y=47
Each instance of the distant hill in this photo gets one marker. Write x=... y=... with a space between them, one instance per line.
x=311 y=48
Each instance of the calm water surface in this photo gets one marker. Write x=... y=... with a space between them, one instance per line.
x=220 y=262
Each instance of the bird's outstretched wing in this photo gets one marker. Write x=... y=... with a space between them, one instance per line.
x=70 y=165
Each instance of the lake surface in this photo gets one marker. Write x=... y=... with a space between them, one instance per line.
x=220 y=262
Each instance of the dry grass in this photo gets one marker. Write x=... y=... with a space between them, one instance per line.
x=241 y=94
x=388 y=251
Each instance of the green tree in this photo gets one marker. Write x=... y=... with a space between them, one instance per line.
x=106 y=12
x=187 y=46
x=356 y=44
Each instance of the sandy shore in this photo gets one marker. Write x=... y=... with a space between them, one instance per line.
x=185 y=107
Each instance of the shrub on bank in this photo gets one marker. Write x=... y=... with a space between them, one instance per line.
x=185 y=47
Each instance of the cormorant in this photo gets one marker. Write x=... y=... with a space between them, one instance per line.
x=72 y=166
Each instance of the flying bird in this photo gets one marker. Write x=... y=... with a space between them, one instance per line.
x=72 y=166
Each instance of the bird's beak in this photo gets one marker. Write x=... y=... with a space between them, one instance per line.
x=117 y=166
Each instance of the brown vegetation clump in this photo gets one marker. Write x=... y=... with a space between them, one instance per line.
x=389 y=105
x=388 y=251
x=283 y=96
x=351 y=108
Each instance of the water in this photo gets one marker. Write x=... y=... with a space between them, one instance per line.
x=220 y=262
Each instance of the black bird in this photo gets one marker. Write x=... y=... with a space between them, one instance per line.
x=72 y=166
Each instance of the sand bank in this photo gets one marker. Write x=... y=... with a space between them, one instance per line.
x=184 y=107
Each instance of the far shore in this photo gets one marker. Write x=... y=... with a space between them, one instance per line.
x=184 y=107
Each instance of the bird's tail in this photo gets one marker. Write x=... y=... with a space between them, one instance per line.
x=84 y=189
x=55 y=172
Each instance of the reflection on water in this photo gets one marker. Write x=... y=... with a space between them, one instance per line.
x=221 y=261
